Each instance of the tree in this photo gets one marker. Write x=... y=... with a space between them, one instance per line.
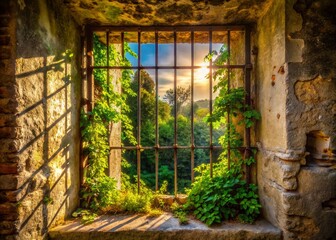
x=182 y=95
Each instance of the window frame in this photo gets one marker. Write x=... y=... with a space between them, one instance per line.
x=88 y=94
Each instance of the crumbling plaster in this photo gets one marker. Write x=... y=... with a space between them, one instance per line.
x=298 y=88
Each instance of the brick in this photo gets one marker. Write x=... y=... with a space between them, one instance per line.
x=13 y=196
x=4 y=7
x=8 y=208
x=4 y=40
x=10 y=158
x=7 y=80
x=8 y=105
x=4 y=31
x=5 y=53
x=9 y=217
x=9 y=132
x=8 y=120
x=9 y=182
x=9 y=145
x=7 y=67
x=12 y=237
x=9 y=168
x=7 y=92
x=4 y=21
x=8 y=227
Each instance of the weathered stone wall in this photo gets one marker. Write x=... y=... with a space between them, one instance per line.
x=297 y=96
x=40 y=98
x=311 y=116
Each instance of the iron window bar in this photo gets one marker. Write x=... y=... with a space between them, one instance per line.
x=209 y=29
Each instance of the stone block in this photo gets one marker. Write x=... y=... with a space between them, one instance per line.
x=282 y=172
x=293 y=205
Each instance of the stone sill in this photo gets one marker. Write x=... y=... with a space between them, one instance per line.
x=163 y=227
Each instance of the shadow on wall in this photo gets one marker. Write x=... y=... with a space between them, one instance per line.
x=46 y=89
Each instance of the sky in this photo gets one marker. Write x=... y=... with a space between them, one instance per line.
x=183 y=58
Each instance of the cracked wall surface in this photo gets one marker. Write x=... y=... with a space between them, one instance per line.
x=297 y=170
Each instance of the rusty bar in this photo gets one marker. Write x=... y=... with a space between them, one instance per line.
x=175 y=119
x=89 y=63
x=210 y=104
x=108 y=57
x=107 y=39
x=178 y=147
x=228 y=112
x=169 y=67
x=83 y=158
x=90 y=89
x=122 y=37
x=247 y=86
x=192 y=140
x=157 y=114
x=139 y=116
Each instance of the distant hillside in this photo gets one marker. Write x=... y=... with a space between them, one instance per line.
x=203 y=103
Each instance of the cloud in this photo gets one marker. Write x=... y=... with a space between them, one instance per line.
x=166 y=58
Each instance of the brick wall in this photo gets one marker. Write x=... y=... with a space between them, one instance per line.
x=9 y=143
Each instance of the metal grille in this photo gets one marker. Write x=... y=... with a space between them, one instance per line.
x=245 y=66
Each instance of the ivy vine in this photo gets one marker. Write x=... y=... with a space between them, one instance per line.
x=99 y=190
x=226 y=195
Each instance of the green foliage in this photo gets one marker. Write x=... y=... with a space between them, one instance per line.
x=48 y=200
x=226 y=195
x=180 y=212
x=99 y=190
x=86 y=216
x=133 y=202
x=221 y=197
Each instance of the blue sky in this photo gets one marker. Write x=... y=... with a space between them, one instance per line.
x=166 y=58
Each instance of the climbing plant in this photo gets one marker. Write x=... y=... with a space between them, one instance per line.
x=99 y=190
x=226 y=195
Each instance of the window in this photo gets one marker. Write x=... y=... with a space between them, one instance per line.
x=174 y=89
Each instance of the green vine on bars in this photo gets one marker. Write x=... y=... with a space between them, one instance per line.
x=99 y=190
x=226 y=195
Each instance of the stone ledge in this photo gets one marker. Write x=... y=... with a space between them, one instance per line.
x=163 y=227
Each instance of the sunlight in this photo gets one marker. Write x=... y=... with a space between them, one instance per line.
x=201 y=73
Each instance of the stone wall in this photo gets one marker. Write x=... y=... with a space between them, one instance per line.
x=40 y=100
x=297 y=96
